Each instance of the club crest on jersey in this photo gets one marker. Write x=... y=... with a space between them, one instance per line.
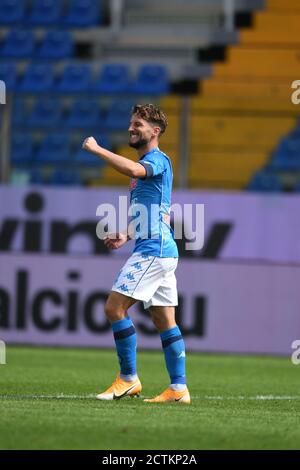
x=133 y=183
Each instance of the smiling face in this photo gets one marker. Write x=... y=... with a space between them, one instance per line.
x=142 y=132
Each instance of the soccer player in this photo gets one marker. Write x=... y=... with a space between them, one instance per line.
x=149 y=274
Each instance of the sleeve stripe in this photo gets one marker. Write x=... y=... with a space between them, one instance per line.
x=149 y=169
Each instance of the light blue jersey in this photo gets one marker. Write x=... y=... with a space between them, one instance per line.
x=154 y=193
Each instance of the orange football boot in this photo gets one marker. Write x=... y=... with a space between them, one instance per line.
x=171 y=395
x=120 y=388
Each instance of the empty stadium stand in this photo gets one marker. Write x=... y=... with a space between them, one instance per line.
x=245 y=108
x=70 y=74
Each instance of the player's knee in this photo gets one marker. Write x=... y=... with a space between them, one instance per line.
x=109 y=310
x=159 y=323
x=113 y=312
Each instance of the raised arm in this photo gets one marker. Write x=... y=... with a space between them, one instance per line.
x=121 y=164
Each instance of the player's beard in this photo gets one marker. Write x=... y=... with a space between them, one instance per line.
x=138 y=143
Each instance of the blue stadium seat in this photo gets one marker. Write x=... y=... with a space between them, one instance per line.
x=84 y=158
x=295 y=133
x=151 y=79
x=37 y=78
x=22 y=149
x=266 y=182
x=56 y=45
x=113 y=78
x=18 y=43
x=83 y=13
x=118 y=115
x=46 y=113
x=19 y=113
x=287 y=155
x=55 y=148
x=297 y=186
x=12 y=11
x=8 y=75
x=83 y=114
x=65 y=178
x=75 y=78
x=21 y=176
x=35 y=176
x=46 y=12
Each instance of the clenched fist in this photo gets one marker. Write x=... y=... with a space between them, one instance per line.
x=115 y=241
x=90 y=144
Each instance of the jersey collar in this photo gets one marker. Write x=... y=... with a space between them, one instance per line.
x=155 y=149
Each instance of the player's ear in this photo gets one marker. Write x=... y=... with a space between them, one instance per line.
x=156 y=130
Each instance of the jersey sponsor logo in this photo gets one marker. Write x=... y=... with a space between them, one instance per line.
x=133 y=183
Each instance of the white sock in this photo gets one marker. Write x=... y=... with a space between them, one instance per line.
x=177 y=387
x=128 y=378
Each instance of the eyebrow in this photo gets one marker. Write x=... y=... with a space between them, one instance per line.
x=136 y=121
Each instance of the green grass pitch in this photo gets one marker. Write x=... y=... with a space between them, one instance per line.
x=238 y=402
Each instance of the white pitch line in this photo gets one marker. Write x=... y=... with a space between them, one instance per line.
x=257 y=397
x=62 y=396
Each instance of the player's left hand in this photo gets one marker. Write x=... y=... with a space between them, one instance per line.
x=115 y=241
x=90 y=144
